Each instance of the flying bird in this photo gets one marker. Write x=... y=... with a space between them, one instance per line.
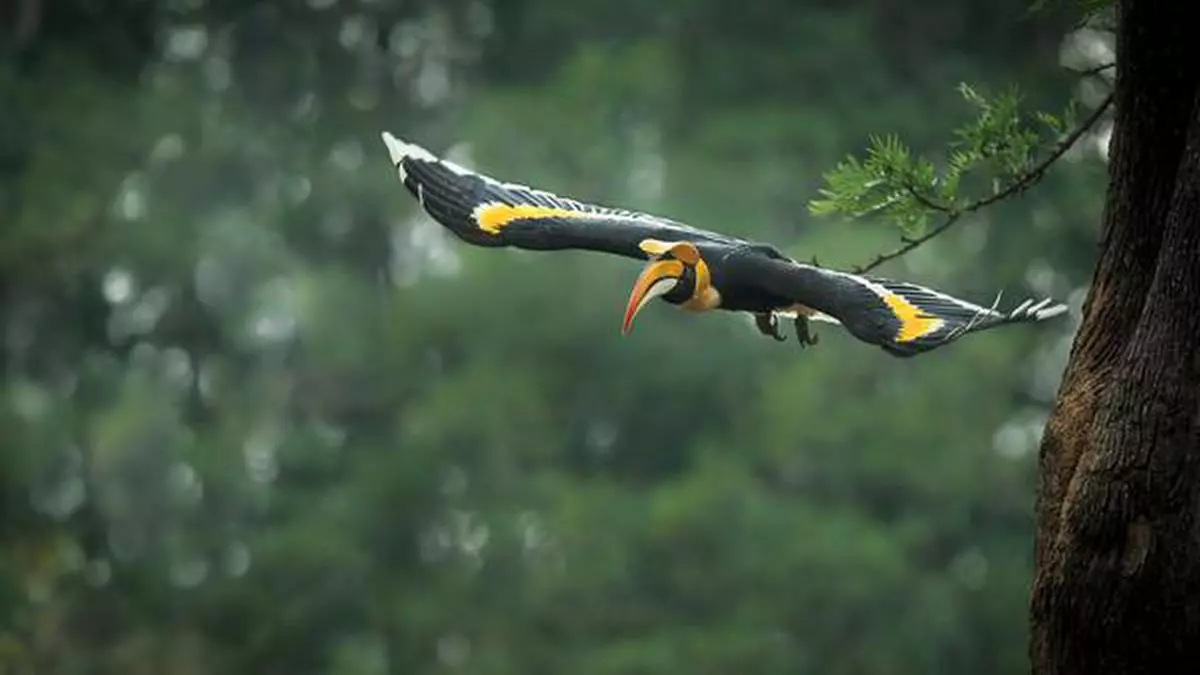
x=697 y=270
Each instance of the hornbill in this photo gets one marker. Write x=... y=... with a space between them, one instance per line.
x=696 y=269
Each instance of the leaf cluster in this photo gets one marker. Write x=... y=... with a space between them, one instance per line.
x=994 y=153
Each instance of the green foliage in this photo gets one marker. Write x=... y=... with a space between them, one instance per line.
x=1003 y=149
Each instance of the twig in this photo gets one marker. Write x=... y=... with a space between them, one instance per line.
x=1097 y=69
x=925 y=201
x=910 y=244
x=1022 y=183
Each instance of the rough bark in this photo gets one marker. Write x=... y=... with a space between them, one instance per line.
x=1117 y=578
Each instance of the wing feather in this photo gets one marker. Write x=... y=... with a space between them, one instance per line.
x=901 y=317
x=484 y=211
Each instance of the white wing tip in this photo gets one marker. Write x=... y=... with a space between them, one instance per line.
x=1040 y=311
x=398 y=149
x=1050 y=312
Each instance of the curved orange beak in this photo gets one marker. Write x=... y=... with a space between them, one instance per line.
x=657 y=278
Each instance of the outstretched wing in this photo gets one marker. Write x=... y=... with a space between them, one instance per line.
x=903 y=318
x=487 y=212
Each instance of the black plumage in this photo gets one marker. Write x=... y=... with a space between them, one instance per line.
x=704 y=270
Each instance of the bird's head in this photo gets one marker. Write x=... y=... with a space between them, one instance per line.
x=677 y=273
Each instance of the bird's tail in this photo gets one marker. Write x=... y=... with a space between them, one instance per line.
x=927 y=319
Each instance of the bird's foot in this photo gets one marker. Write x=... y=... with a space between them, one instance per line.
x=768 y=324
x=803 y=335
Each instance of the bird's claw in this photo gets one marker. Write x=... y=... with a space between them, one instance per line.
x=768 y=324
x=803 y=335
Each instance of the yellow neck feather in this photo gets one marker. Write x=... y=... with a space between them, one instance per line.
x=704 y=296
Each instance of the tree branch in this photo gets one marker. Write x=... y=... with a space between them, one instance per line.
x=1023 y=182
x=925 y=201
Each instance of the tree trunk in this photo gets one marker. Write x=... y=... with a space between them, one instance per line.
x=1117 y=580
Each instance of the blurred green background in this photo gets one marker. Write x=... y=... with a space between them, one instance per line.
x=259 y=415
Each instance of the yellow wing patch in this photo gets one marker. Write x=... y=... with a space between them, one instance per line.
x=915 y=323
x=494 y=217
x=683 y=250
